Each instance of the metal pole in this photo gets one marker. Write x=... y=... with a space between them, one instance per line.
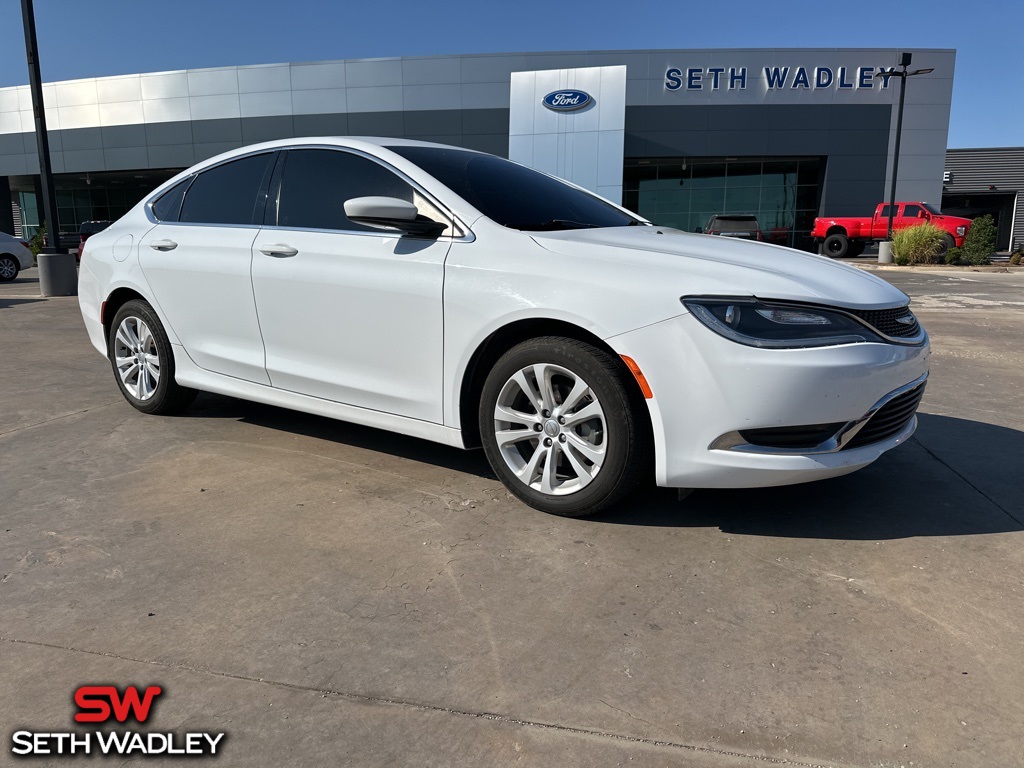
x=58 y=275
x=896 y=151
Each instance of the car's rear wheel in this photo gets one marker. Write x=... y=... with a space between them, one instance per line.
x=836 y=246
x=143 y=362
x=9 y=268
x=560 y=427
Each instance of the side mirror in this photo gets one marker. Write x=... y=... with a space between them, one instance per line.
x=391 y=213
x=922 y=214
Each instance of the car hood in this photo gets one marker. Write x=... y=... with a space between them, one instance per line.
x=952 y=220
x=700 y=265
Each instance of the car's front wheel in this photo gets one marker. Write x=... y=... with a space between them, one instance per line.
x=143 y=362
x=560 y=427
x=9 y=268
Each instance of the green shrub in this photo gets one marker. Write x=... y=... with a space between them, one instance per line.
x=901 y=261
x=980 y=243
x=1016 y=258
x=953 y=255
x=919 y=244
x=36 y=243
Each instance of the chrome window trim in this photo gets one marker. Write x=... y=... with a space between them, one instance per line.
x=458 y=224
x=734 y=441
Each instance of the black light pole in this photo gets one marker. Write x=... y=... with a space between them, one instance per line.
x=57 y=273
x=905 y=59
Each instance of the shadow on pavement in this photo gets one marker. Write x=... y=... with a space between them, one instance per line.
x=955 y=478
x=6 y=303
x=294 y=422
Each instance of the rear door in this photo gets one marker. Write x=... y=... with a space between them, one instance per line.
x=349 y=313
x=198 y=262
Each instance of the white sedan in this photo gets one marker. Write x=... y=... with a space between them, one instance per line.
x=465 y=299
x=14 y=257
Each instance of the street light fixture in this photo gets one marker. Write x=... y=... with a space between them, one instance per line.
x=57 y=273
x=905 y=58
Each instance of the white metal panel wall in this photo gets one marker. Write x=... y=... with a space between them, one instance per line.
x=584 y=146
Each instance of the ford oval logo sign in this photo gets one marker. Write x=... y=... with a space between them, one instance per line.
x=567 y=100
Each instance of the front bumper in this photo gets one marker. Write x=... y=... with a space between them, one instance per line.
x=708 y=389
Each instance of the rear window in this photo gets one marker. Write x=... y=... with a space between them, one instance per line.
x=734 y=223
x=92 y=227
x=226 y=194
x=168 y=206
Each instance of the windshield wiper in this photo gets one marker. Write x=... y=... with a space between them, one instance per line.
x=562 y=224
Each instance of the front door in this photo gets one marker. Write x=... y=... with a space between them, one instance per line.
x=349 y=313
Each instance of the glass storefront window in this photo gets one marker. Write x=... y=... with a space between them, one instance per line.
x=784 y=193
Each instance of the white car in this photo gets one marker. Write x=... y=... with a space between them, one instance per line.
x=465 y=299
x=14 y=257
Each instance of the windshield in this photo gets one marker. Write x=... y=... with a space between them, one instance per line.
x=931 y=208
x=513 y=195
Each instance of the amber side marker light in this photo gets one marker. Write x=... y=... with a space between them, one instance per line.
x=638 y=375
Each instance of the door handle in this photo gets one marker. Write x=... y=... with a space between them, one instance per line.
x=280 y=250
x=163 y=245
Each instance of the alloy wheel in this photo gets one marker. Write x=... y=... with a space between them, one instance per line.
x=7 y=268
x=550 y=429
x=137 y=358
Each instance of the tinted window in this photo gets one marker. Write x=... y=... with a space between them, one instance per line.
x=169 y=204
x=884 y=213
x=226 y=194
x=92 y=227
x=911 y=211
x=316 y=183
x=734 y=224
x=512 y=195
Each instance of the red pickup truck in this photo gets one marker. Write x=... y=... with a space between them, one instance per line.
x=848 y=235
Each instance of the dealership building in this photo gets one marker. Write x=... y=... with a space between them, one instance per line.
x=676 y=135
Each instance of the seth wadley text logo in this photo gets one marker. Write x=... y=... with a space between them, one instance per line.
x=102 y=703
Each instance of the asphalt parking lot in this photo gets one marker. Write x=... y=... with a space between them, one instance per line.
x=328 y=594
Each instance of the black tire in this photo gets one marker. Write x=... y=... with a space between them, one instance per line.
x=622 y=435
x=836 y=246
x=947 y=243
x=9 y=268
x=168 y=396
x=856 y=248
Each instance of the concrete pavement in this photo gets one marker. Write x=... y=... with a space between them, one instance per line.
x=330 y=594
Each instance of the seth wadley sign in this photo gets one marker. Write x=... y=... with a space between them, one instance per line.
x=777 y=78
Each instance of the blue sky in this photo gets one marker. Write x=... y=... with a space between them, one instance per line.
x=109 y=37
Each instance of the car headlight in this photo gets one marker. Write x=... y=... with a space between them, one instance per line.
x=961 y=230
x=777 y=325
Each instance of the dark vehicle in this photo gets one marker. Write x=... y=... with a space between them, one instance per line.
x=734 y=225
x=87 y=230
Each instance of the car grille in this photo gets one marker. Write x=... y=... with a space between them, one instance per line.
x=890 y=419
x=887 y=321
